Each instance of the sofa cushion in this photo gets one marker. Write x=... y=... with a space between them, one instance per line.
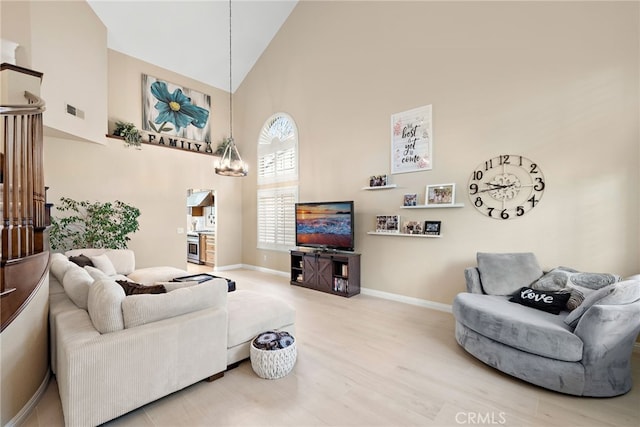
x=142 y=309
x=76 y=283
x=251 y=313
x=514 y=325
x=123 y=260
x=172 y=286
x=58 y=265
x=133 y=288
x=551 y=302
x=103 y=263
x=150 y=275
x=105 y=305
x=504 y=274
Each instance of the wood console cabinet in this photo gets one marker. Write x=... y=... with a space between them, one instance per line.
x=333 y=273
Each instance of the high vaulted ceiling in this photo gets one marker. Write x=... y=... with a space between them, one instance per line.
x=192 y=37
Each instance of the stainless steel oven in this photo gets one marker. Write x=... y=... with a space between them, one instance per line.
x=193 y=248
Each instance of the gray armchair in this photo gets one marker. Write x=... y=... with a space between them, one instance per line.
x=586 y=353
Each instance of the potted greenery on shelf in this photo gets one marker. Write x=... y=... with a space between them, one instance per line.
x=93 y=225
x=130 y=133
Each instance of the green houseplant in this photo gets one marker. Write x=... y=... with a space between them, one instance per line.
x=130 y=133
x=93 y=225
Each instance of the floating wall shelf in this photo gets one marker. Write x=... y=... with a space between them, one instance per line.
x=455 y=205
x=375 y=233
x=380 y=187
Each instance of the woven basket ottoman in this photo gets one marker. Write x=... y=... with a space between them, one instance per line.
x=273 y=362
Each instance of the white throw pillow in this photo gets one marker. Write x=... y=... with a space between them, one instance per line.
x=138 y=310
x=95 y=273
x=103 y=263
x=123 y=260
x=105 y=306
x=59 y=265
x=76 y=283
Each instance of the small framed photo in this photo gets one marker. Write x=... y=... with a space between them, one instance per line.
x=378 y=181
x=387 y=223
x=432 y=227
x=410 y=199
x=412 y=227
x=440 y=194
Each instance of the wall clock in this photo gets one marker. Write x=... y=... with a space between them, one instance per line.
x=506 y=186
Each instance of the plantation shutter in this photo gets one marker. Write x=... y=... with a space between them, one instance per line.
x=277 y=183
x=276 y=217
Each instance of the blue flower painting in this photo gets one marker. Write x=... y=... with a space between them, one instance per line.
x=175 y=110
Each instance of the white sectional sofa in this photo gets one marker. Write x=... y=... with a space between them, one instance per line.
x=112 y=353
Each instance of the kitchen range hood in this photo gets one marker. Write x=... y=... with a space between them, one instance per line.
x=200 y=198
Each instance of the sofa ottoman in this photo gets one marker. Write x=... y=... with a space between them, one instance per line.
x=251 y=313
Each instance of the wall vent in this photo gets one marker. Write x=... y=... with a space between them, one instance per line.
x=75 y=111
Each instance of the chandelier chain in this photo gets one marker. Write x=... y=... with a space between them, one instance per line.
x=230 y=79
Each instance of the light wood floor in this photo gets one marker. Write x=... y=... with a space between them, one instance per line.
x=366 y=361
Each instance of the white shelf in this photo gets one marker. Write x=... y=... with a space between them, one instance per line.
x=380 y=187
x=455 y=205
x=375 y=233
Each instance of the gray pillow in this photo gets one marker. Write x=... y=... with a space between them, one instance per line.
x=574 y=317
x=554 y=280
x=504 y=274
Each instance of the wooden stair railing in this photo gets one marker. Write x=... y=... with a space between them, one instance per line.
x=22 y=202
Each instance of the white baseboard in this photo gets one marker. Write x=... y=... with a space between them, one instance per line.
x=407 y=300
x=24 y=413
x=266 y=270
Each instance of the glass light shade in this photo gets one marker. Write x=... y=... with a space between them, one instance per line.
x=231 y=164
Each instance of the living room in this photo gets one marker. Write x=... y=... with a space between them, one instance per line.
x=554 y=82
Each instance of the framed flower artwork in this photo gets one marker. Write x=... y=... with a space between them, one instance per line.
x=174 y=110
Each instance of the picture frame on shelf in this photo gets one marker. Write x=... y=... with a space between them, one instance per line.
x=378 y=181
x=412 y=227
x=387 y=224
x=440 y=194
x=410 y=199
x=432 y=227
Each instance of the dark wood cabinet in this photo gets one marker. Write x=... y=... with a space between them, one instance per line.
x=334 y=273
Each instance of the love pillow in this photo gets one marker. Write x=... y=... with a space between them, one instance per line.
x=551 y=302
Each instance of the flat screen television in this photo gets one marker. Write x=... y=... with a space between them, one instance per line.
x=325 y=225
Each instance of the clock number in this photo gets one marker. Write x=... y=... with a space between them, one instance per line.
x=477 y=175
x=504 y=214
x=519 y=211
x=473 y=188
x=478 y=202
x=504 y=160
x=540 y=184
x=488 y=164
x=490 y=211
x=534 y=168
x=520 y=164
x=533 y=201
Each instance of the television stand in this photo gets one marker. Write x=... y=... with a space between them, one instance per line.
x=327 y=271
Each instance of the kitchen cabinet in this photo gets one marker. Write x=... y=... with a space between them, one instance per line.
x=209 y=249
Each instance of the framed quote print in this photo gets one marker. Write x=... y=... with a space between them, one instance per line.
x=411 y=140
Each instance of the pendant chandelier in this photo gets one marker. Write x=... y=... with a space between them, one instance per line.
x=231 y=164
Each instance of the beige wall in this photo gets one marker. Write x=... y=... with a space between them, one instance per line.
x=555 y=82
x=154 y=179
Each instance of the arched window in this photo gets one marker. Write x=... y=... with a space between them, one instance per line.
x=277 y=182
